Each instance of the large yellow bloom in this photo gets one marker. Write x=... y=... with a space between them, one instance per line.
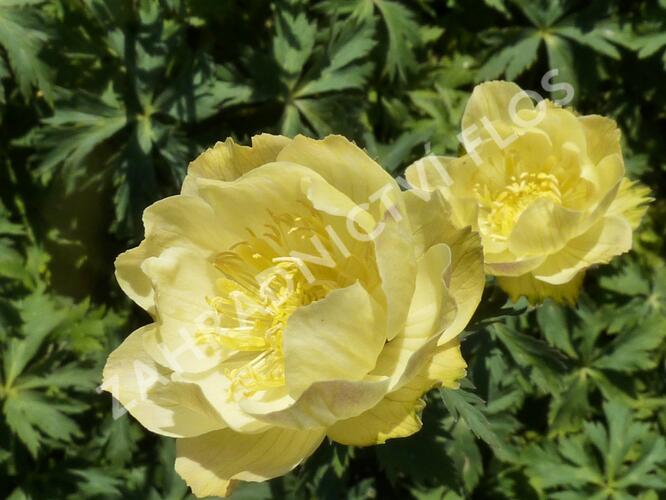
x=296 y=294
x=544 y=188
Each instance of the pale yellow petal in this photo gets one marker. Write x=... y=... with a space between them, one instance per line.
x=432 y=308
x=454 y=178
x=183 y=280
x=605 y=177
x=227 y=161
x=394 y=254
x=177 y=221
x=396 y=416
x=602 y=136
x=347 y=167
x=215 y=386
x=431 y=225
x=326 y=198
x=322 y=404
x=431 y=172
x=609 y=237
x=146 y=390
x=536 y=291
x=528 y=153
x=247 y=203
x=544 y=227
x=467 y=281
x=494 y=101
x=131 y=278
x=325 y=403
x=210 y=462
x=446 y=368
x=631 y=202
x=506 y=264
x=336 y=338
x=562 y=127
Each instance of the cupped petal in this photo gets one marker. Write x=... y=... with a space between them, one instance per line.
x=537 y=291
x=398 y=414
x=246 y=205
x=326 y=198
x=396 y=263
x=131 y=278
x=446 y=368
x=562 y=127
x=431 y=225
x=177 y=221
x=467 y=281
x=336 y=338
x=506 y=264
x=183 y=281
x=432 y=172
x=227 y=161
x=543 y=228
x=606 y=177
x=528 y=153
x=432 y=310
x=209 y=463
x=454 y=178
x=147 y=392
x=609 y=237
x=347 y=167
x=493 y=101
x=602 y=137
x=216 y=388
x=395 y=416
x=322 y=404
x=631 y=202
x=325 y=403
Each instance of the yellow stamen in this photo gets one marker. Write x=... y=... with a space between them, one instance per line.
x=501 y=212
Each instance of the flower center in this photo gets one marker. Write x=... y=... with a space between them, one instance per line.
x=502 y=211
x=262 y=284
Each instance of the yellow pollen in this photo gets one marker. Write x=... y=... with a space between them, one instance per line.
x=501 y=212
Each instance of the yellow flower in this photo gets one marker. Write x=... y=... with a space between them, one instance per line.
x=543 y=187
x=296 y=293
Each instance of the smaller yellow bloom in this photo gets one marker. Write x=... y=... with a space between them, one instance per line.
x=543 y=187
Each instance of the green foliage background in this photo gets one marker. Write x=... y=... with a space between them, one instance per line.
x=104 y=102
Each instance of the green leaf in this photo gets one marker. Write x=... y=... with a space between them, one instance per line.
x=294 y=39
x=22 y=37
x=594 y=39
x=569 y=407
x=560 y=58
x=402 y=30
x=552 y=319
x=346 y=65
x=29 y=415
x=523 y=55
x=73 y=132
x=546 y=364
x=467 y=406
x=98 y=482
x=634 y=349
x=615 y=457
x=650 y=44
x=422 y=456
x=40 y=317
